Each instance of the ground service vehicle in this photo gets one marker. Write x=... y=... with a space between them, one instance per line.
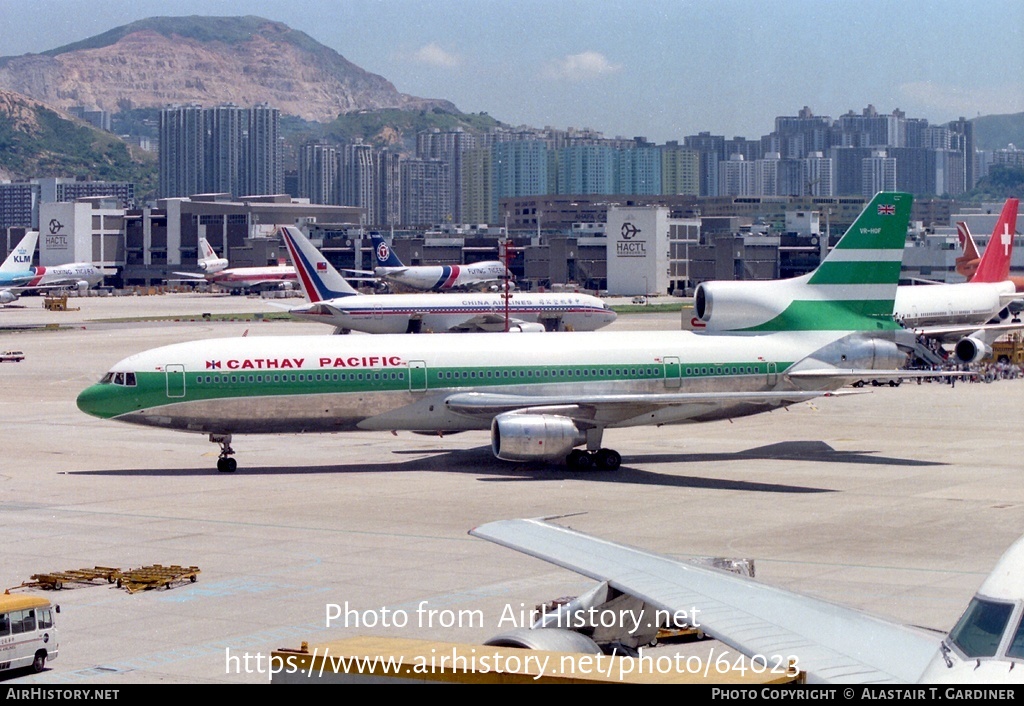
x=28 y=634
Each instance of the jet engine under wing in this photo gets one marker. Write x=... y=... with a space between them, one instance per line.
x=830 y=643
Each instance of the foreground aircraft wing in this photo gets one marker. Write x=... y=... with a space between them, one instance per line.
x=830 y=643
x=610 y=408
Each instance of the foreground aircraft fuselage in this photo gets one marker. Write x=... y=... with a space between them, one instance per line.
x=445 y=383
x=541 y=396
x=401 y=313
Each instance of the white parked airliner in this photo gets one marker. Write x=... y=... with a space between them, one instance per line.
x=333 y=301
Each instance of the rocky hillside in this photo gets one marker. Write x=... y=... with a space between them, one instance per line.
x=206 y=60
x=39 y=141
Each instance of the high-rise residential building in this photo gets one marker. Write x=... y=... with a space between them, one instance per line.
x=847 y=166
x=680 y=170
x=476 y=186
x=182 y=151
x=222 y=159
x=795 y=137
x=736 y=177
x=20 y=201
x=964 y=130
x=425 y=187
x=357 y=177
x=767 y=175
x=711 y=149
x=220 y=150
x=817 y=175
x=389 y=188
x=638 y=170
x=264 y=170
x=318 y=173
x=518 y=168
x=878 y=173
x=447 y=146
x=586 y=169
x=19 y=205
x=869 y=129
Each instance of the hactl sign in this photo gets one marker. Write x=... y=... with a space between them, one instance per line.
x=628 y=245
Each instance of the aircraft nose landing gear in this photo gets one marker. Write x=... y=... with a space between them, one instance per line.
x=225 y=464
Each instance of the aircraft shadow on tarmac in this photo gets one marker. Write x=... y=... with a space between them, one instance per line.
x=479 y=461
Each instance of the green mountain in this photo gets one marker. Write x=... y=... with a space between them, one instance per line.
x=38 y=141
x=994 y=132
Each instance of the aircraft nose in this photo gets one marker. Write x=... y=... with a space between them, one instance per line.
x=99 y=401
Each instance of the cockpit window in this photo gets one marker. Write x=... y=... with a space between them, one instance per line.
x=123 y=379
x=981 y=628
x=1016 y=648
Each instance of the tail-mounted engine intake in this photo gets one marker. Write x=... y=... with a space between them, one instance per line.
x=211 y=266
x=728 y=306
x=533 y=437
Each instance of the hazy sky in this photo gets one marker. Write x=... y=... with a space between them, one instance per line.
x=658 y=68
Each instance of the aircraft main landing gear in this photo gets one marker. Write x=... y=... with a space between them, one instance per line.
x=225 y=464
x=600 y=460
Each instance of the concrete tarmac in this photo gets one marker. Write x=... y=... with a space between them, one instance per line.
x=897 y=501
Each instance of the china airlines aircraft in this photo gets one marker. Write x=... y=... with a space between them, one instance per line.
x=332 y=300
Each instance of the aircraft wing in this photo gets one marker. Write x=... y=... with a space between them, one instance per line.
x=58 y=284
x=487 y=322
x=270 y=283
x=950 y=334
x=607 y=409
x=189 y=276
x=360 y=275
x=830 y=643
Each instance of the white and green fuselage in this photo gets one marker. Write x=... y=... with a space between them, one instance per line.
x=542 y=395
x=329 y=383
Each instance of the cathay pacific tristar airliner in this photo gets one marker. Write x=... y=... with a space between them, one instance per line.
x=968 y=314
x=540 y=396
x=437 y=278
x=333 y=301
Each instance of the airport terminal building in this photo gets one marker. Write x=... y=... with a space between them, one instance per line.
x=626 y=247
